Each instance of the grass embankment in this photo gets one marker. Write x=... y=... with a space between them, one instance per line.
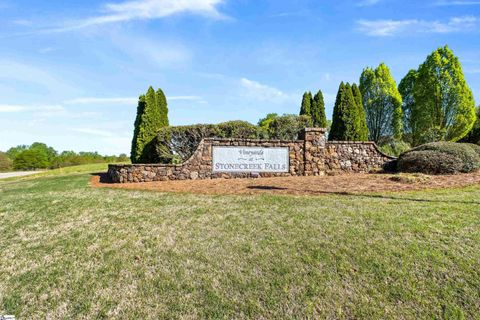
x=84 y=168
x=71 y=251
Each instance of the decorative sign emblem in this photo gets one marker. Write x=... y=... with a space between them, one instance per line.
x=250 y=159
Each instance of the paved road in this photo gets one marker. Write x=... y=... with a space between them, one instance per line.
x=4 y=175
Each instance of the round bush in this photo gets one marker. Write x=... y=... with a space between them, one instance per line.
x=440 y=158
x=393 y=147
x=429 y=162
x=475 y=147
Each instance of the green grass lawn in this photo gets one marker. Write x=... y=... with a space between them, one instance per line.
x=84 y=168
x=70 y=251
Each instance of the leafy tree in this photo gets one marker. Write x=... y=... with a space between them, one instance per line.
x=31 y=159
x=318 y=111
x=264 y=123
x=288 y=126
x=345 y=115
x=5 y=162
x=48 y=151
x=474 y=135
x=152 y=114
x=306 y=108
x=361 y=125
x=444 y=107
x=406 y=91
x=14 y=151
x=382 y=103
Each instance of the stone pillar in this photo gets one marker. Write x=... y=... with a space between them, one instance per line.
x=314 y=156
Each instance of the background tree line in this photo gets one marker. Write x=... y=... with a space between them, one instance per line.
x=40 y=156
x=432 y=103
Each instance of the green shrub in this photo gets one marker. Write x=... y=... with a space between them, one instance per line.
x=429 y=162
x=177 y=144
x=475 y=147
x=393 y=147
x=288 y=127
x=465 y=152
x=440 y=158
x=5 y=162
x=31 y=159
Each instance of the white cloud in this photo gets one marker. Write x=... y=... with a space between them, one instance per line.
x=7 y=108
x=17 y=72
x=143 y=10
x=261 y=91
x=22 y=22
x=123 y=100
x=472 y=71
x=95 y=132
x=457 y=3
x=46 y=50
x=161 y=53
x=382 y=28
x=366 y=3
x=92 y=100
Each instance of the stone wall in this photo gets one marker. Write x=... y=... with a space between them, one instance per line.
x=312 y=155
x=348 y=156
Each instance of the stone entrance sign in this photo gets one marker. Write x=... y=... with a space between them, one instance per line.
x=311 y=155
x=250 y=159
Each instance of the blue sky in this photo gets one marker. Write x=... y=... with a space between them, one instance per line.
x=71 y=71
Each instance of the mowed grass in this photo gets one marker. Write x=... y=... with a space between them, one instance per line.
x=70 y=251
x=84 y=168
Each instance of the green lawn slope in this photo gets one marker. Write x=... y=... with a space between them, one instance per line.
x=71 y=251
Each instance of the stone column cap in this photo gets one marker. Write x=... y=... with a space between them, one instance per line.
x=322 y=130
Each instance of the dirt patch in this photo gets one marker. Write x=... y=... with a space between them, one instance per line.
x=339 y=184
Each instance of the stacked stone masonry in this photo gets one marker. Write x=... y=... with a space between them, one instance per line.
x=312 y=155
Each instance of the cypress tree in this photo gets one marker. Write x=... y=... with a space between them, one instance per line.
x=361 y=126
x=318 y=111
x=345 y=115
x=135 y=151
x=306 y=108
x=152 y=114
x=161 y=101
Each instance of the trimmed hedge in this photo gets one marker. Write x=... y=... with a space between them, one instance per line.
x=288 y=127
x=440 y=158
x=429 y=162
x=177 y=144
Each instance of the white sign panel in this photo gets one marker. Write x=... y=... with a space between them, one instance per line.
x=250 y=159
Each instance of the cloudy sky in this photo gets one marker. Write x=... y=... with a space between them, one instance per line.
x=71 y=71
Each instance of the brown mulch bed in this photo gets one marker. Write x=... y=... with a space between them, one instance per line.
x=338 y=184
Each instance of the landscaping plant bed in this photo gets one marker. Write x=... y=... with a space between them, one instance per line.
x=312 y=185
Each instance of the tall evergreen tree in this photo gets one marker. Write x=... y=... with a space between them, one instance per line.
x=444 y=108
x=318 y=111
x=361 y=126
x=135 y=152
x=406 y=91
x=161 y=102
x=152 y=114
x=306 y=107
x=345 y=115
x=382 y=103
